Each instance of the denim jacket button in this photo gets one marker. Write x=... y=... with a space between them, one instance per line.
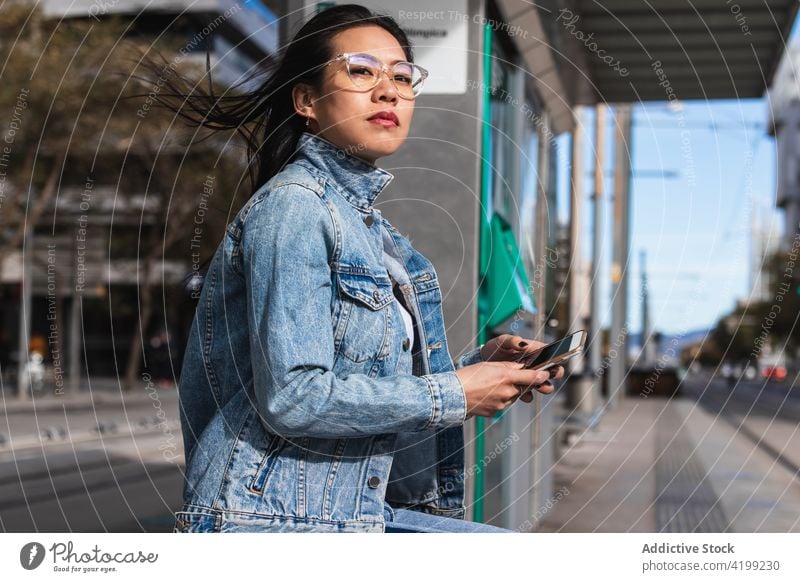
x=369 y=220
x=374 y=482
x=406 y=344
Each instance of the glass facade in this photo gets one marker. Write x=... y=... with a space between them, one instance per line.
x=513 y=131
x=503 y=148
x=529 y=184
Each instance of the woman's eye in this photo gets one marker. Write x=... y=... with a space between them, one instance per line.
x=361 y=71
x=403 y=79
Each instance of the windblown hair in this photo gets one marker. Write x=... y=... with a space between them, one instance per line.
x=265 y=116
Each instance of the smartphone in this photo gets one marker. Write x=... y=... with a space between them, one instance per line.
x=555 y=353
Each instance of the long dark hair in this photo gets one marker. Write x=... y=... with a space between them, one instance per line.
x=265 y=117
x=276 y=127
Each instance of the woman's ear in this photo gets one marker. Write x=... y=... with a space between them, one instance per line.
x=302 y=99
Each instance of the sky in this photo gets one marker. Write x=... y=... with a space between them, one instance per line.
x=700 y=177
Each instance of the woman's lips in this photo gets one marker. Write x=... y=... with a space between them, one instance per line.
x=383 y=121
x=386 y=118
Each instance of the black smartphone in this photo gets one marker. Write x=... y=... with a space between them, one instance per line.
x=553 y=354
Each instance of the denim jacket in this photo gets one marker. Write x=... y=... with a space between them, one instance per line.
x=303 y=407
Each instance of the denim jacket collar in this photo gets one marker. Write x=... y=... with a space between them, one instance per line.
x=359 y=181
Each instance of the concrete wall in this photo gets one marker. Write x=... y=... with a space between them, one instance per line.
x=435 y=201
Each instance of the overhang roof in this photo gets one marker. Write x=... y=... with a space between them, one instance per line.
x=708 y=49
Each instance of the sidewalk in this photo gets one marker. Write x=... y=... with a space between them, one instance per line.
x=657 y=465
x=95 y=391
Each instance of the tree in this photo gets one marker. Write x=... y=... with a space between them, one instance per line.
x=783 y=309
x=78 y=112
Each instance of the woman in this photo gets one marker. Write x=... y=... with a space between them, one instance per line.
x=317 y=391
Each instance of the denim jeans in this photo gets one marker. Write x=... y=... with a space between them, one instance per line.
x=399 y=520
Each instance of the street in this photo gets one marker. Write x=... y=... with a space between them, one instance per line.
x=717 y=459
x=714 y=460
x=63 y=474
x=765 y=412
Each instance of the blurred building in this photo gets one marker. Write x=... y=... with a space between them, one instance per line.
x=107 y=255
x=239 y=35
x=784 y=124
x=765 y=240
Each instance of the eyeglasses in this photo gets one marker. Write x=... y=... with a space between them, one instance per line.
x=364 y=72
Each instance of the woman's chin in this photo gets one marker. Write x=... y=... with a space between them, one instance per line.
x=380 y=148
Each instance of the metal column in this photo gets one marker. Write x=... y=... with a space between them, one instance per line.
x=595 y=339
x=618 y=340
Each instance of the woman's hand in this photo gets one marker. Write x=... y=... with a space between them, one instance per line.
x=508 y=347
x=489 y=387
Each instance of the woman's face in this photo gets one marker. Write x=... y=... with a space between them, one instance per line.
x=341 y=112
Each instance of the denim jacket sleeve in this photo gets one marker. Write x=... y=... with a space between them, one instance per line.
x=288 y=239
x=473 y=356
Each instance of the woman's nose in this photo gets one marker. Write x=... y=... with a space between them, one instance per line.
x=385 y=87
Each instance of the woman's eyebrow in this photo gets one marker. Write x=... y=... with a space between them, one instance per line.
x=391 y=62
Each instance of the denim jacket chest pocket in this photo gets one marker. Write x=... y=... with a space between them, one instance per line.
x=361 y=312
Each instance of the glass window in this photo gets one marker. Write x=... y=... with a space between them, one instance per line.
x=529 y=183
x=503 y=111
x=550 y=254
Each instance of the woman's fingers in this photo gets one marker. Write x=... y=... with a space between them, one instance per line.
x=510 y=346
x=526 y=347
x=504 y=347
x=529 y=377
x=524 y=343
x=526 y=392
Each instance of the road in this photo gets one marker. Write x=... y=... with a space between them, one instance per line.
x=92 y=468
x=766 y=412
x=109 y=467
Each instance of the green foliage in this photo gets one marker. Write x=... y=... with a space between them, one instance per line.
x=753 y=327
x=72 y=94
